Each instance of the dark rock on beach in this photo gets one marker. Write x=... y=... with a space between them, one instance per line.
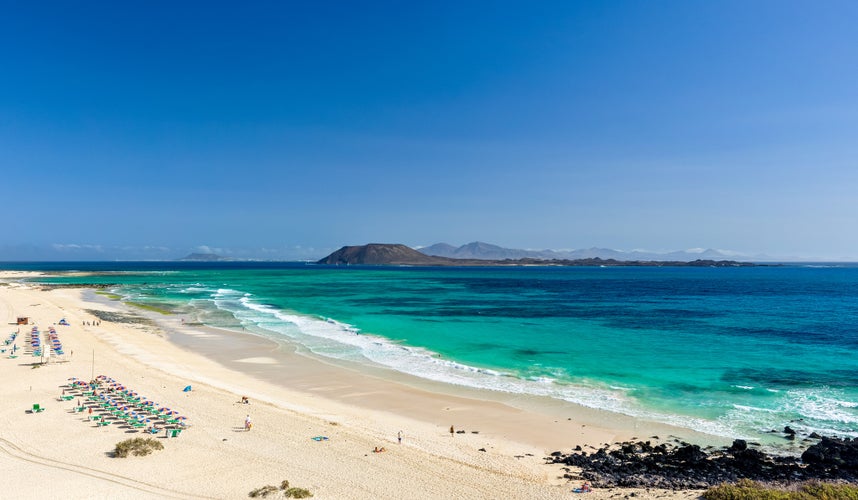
x=738 y=445
x=833 y=454
x=686 y=466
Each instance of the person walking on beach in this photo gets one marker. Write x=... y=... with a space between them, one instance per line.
x=452 y=431
x=399 y=436
x=247 y=423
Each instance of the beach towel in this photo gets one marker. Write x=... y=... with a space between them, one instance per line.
x=319 y=438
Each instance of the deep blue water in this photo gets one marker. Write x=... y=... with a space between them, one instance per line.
x=729 y=351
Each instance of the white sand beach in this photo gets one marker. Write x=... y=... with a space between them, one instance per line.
x=60 y=453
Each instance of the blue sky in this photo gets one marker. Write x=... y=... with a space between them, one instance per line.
x=288 y=129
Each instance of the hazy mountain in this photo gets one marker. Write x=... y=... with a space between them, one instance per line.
x=486 y=251
x=204 y=257
x=378 y=254
x=439 y=250
x=481 y=251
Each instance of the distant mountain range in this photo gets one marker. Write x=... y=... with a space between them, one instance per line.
x=486 y=251
x=205 y=257
x=382 y=254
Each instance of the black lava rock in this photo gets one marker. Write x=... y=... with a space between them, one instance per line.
x=686 y=466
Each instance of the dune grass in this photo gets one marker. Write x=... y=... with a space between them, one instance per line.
x=288 y=492
x=746 y=489
x=137 y=447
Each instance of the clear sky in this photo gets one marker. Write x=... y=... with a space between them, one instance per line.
x=287 y=129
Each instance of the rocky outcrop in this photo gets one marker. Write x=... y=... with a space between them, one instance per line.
x=376 y=254
x=687 y=466
x=830 y=454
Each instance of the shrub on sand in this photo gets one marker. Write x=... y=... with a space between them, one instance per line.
x=829 y=491
x=746 y=489
x=137 y=447
x=284 y=486
x=297 y=493
x=263 y=492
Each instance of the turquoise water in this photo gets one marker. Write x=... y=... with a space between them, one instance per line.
x=733 y=352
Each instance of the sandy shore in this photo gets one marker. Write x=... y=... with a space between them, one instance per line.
x=59 y=453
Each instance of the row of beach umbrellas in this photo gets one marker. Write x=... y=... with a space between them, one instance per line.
x=128 y=400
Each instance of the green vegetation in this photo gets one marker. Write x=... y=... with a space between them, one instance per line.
x=111 y=296
x=284 y=487
x=137 y=447
x=297 y=493
x=150 y=307
x=746 y=489
x=263 y=492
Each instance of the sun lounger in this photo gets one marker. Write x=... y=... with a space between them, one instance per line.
x=37 y=408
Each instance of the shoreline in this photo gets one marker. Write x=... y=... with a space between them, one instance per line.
x=293 y=397
x=534 y=421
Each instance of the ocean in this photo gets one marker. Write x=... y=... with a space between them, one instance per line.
x=732 y=352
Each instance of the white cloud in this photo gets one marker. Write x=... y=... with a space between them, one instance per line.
x=73 y=247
